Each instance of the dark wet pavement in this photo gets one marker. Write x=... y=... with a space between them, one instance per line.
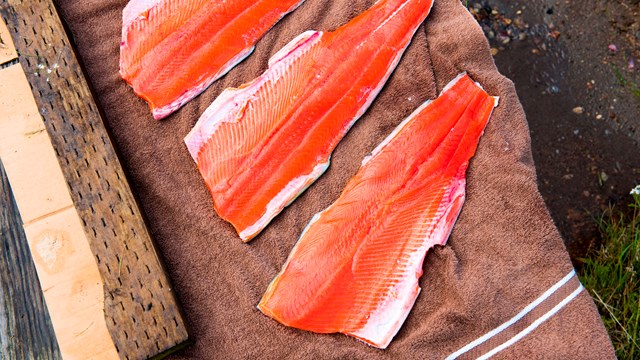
x=580 y=102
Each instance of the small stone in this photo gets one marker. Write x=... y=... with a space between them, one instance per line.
x=578 y=110
x=603 y=176
x=494 y=51
x=494 y=12
x=519 y=12
x=599 y=117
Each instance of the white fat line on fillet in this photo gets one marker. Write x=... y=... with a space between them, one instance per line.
x=162 y=112
x=134 y=9
x=394 y=133
x=535 y=324
x=397 y=11
x=283 y=199
x=391 y=16
x=231 y=99
x=514 y=319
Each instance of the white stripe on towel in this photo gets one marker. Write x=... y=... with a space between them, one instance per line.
x=534 y=325
x=514 y=319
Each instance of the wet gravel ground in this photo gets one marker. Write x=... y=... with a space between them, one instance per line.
x=576 y=67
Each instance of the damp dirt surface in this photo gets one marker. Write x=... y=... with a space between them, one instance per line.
x=576 y=67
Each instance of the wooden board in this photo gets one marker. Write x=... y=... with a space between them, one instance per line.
x=105 y=287
x=25 y=326
x=7 y=49
x=73 y=288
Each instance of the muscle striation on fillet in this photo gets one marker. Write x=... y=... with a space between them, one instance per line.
x=261 y=145
x=355 y=269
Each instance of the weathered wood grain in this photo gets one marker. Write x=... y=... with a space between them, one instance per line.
x=25 y=327
x=67 y=270
x=141 y=310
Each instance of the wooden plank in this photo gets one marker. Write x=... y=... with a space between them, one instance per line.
x=25 y=326
x=140 y=309
x=26 y=141
x=66 y=267
x=7 y=50
x=72 y=285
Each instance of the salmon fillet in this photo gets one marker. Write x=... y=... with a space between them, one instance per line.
x=172 y=50
x=261 y=145
x=356 y=266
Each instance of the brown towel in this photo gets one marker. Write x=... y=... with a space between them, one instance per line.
x=502 y=260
